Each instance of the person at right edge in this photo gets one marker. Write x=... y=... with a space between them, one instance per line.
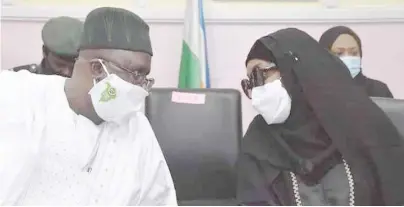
x=318 y=139
x=346 y=44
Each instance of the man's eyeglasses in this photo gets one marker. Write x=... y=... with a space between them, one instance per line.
x=134 y=77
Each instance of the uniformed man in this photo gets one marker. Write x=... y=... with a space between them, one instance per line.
x=61 y=37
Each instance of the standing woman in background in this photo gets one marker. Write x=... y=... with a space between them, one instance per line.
x=346 y=44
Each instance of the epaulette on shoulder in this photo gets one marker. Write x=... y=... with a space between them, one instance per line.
x=30 y=67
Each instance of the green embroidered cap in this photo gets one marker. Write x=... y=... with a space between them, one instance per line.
x=115 y=28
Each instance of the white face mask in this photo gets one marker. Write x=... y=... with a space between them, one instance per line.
x=272 y=101
x=113 y=98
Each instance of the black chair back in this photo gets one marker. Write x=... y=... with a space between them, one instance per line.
x=394 y=109
x=199 y=131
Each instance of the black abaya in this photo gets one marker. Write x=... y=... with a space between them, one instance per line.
x=331 y=118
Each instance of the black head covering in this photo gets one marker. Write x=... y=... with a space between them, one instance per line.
x=330 y=118
x=259 y=51
x=328 y=38
x=115 y=28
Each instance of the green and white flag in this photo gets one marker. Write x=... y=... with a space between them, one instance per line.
x=194 y=70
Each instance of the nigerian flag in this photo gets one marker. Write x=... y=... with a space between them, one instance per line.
x=194 y=70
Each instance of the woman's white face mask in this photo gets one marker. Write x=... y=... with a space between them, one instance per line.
x=113 y=98
x=272 y=101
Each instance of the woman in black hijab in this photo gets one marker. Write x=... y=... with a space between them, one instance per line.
x=318 y=139
x=346 y=44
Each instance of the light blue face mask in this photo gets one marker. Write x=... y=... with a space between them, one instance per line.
x=353 y=63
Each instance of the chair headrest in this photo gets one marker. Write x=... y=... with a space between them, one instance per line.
x=394 y=109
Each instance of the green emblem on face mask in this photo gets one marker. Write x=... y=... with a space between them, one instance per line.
x=108 y=94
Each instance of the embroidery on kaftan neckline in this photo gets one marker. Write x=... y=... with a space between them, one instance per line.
x=298 y=198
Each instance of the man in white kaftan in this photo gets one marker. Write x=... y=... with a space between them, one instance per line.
x=64 y=144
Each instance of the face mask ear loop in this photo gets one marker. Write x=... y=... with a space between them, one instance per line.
x=103 y=66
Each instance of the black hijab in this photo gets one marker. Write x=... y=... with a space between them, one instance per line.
x=330 y=118
x=328 y=38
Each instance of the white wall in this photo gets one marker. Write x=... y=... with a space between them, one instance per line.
x=230 y=36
